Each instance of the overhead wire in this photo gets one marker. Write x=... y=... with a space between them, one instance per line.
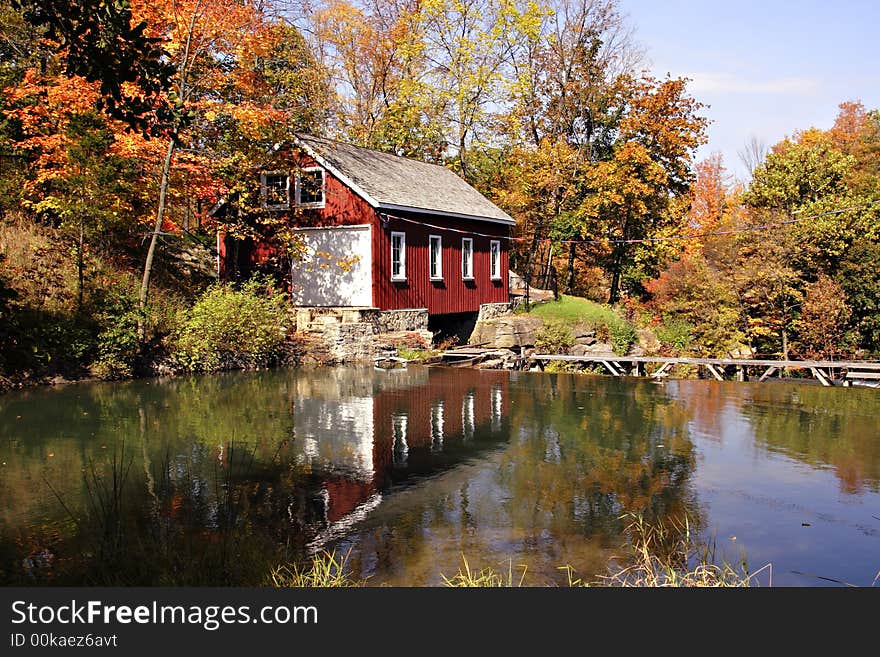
x=644 y=240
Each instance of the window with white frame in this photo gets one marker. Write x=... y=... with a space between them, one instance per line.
x=398 y=256
x=467 y=258
x=495 y=260
x=310 y=188
x=275 y=190
x=435 y=256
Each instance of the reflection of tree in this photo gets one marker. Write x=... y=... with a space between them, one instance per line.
x=188 y=500
x=602 y=450
x=821 y=427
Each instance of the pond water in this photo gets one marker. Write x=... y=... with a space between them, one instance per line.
x=216 y=480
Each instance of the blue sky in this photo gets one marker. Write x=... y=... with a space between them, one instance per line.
x=764 y=68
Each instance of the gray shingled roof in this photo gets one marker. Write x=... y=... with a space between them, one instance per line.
x=391 y=182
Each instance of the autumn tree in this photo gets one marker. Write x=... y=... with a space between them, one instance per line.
x=466 y=49
x=101 y=43
x=567 y=59
x=799 y=171
x=375 y=53
x=856 y=132
x=823 y=185
x=824 y=319
x=710 y=194
x=695 y=290
x=633 y=194
x=92 y=192
x=762 y=268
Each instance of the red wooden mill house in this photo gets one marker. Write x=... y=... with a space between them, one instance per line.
x=382 y=233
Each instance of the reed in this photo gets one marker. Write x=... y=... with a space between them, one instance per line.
x=484 y=578
x=669 y=555
x=325 y=570
x=662 y=554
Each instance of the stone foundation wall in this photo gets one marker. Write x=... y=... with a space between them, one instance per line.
x=360 y=334
x=493 y=311
x=392 y=321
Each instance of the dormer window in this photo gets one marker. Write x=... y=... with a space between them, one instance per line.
x=306 y=191
x=275 y=190
x=310 y=188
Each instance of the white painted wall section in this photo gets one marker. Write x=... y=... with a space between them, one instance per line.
x=336 y=269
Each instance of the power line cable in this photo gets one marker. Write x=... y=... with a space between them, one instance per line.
x=645 y=240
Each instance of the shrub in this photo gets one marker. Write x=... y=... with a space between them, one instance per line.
x=553 y=339
x=417 y=354
x=561 y=367
x=116 y=311
x=623 y=335
x=675 y=333
x=696 y=291
x=118 y=346
x=232 y=328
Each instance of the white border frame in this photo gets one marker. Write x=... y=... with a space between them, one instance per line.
x=264 y=190
x=298 y=188
x=402 y=276
x=467 y=276
x=439 y=276
x=493 y=275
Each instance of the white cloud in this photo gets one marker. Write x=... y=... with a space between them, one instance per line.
x=727 y=83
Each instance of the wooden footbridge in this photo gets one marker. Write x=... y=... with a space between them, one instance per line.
x=828 y=373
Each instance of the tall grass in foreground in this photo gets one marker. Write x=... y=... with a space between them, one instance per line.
x=668 y=555
x=326 y=570
x=660 y=555
x=485 y=578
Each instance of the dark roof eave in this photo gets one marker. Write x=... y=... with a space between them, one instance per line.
x=440 y=213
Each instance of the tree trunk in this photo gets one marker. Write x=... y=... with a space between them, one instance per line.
x=569 y=286
x=549 y=265
x=530 y=259
x=616 y=266
x=80 y=265
x=617 y=261
x=157 y=230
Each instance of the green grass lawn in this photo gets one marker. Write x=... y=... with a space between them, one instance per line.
x=570 y=312
x=575 y=310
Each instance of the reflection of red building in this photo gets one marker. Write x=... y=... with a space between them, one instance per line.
x=416 y=430
x=414 y=427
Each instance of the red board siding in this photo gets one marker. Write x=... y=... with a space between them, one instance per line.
x=452 y=294
x=342 y=206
